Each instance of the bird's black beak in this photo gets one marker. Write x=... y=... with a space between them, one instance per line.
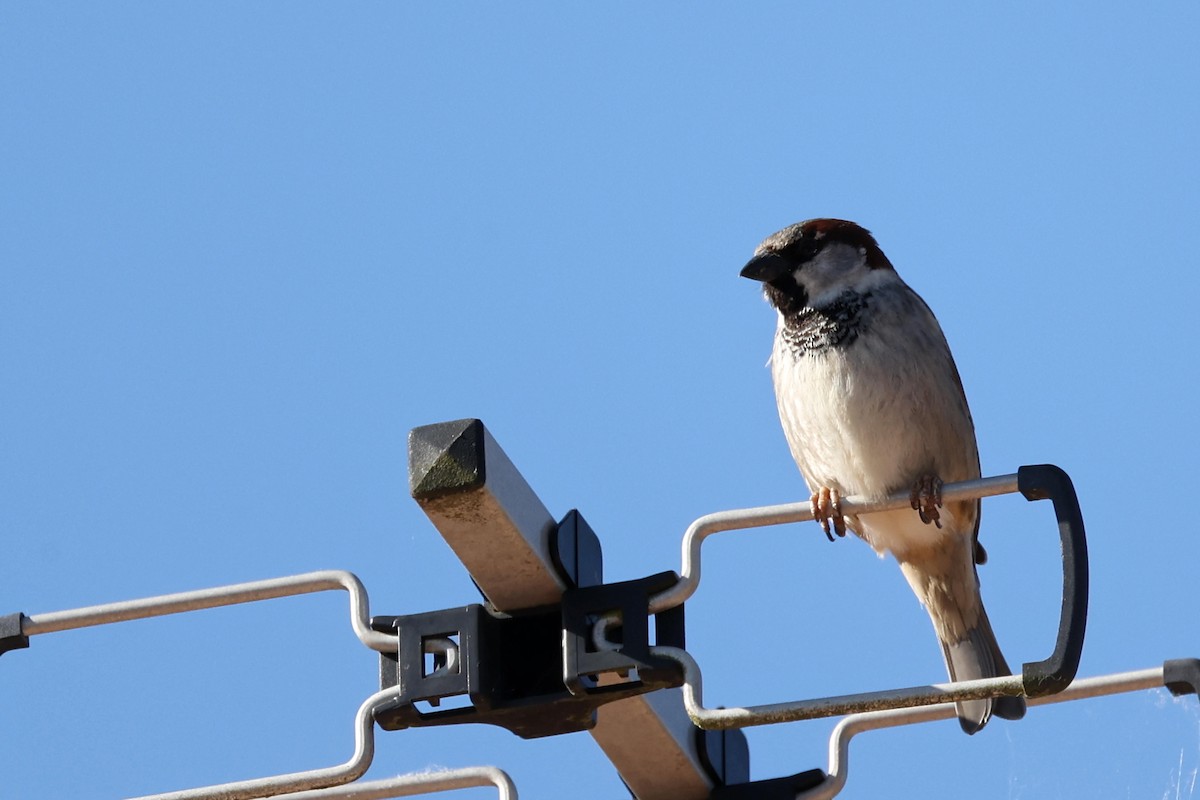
x=766 y=267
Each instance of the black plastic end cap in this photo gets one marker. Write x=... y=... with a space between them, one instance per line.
x=12 y=633
x=1043 y=481
x=445 y=458
x=725 y=755
x=773 y=788
x=1182 y=676
x=576 y=551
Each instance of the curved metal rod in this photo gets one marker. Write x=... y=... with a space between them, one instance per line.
x=741 y=518
x=848 y=728
x=364 y=751
x=416 y=783
x=744 y=717
x=233 y=594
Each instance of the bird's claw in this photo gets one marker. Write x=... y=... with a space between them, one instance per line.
x=826 y=508
x=926 y=499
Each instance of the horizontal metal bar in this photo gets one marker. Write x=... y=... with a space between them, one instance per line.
x=364 y=751
x=761 y=516
x=415 y=783
x=233 y=594
x=848 y=728
x=744 y=717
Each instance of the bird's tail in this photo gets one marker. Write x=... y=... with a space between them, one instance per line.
x=947 y=585
x=977 y=655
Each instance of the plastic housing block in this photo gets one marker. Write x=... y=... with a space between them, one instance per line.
x=508 y=667
x=511 y=668
x=629 y=601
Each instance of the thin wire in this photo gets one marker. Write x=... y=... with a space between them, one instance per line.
x=364 y=752
x=743 y=717
x=215 y=597
x=311 y=783
x=848 y=728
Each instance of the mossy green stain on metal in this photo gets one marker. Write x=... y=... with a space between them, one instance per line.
x=446 y=458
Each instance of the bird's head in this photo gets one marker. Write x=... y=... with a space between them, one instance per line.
x=812 y=262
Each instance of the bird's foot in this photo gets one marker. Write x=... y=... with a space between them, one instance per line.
x=827 y=508
x=926 y=499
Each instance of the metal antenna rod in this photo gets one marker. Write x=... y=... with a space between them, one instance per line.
x=215 y=597
x=416 y=783
x=849 y=727
x=742 y=518
x=742 y=717
x=364 y=751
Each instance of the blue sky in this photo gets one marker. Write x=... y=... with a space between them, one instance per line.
x=247 y=247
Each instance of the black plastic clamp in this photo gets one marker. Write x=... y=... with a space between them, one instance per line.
x=508 y=667
x=12 y=633
x=628 y=602
x=785 y=788
x=1048 y=482
x=515 y=671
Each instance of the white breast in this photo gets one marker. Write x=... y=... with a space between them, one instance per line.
x=873 y=417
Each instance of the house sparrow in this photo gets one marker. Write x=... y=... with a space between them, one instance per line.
x=871 y=404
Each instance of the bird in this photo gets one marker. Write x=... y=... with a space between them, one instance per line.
x=871 y=404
